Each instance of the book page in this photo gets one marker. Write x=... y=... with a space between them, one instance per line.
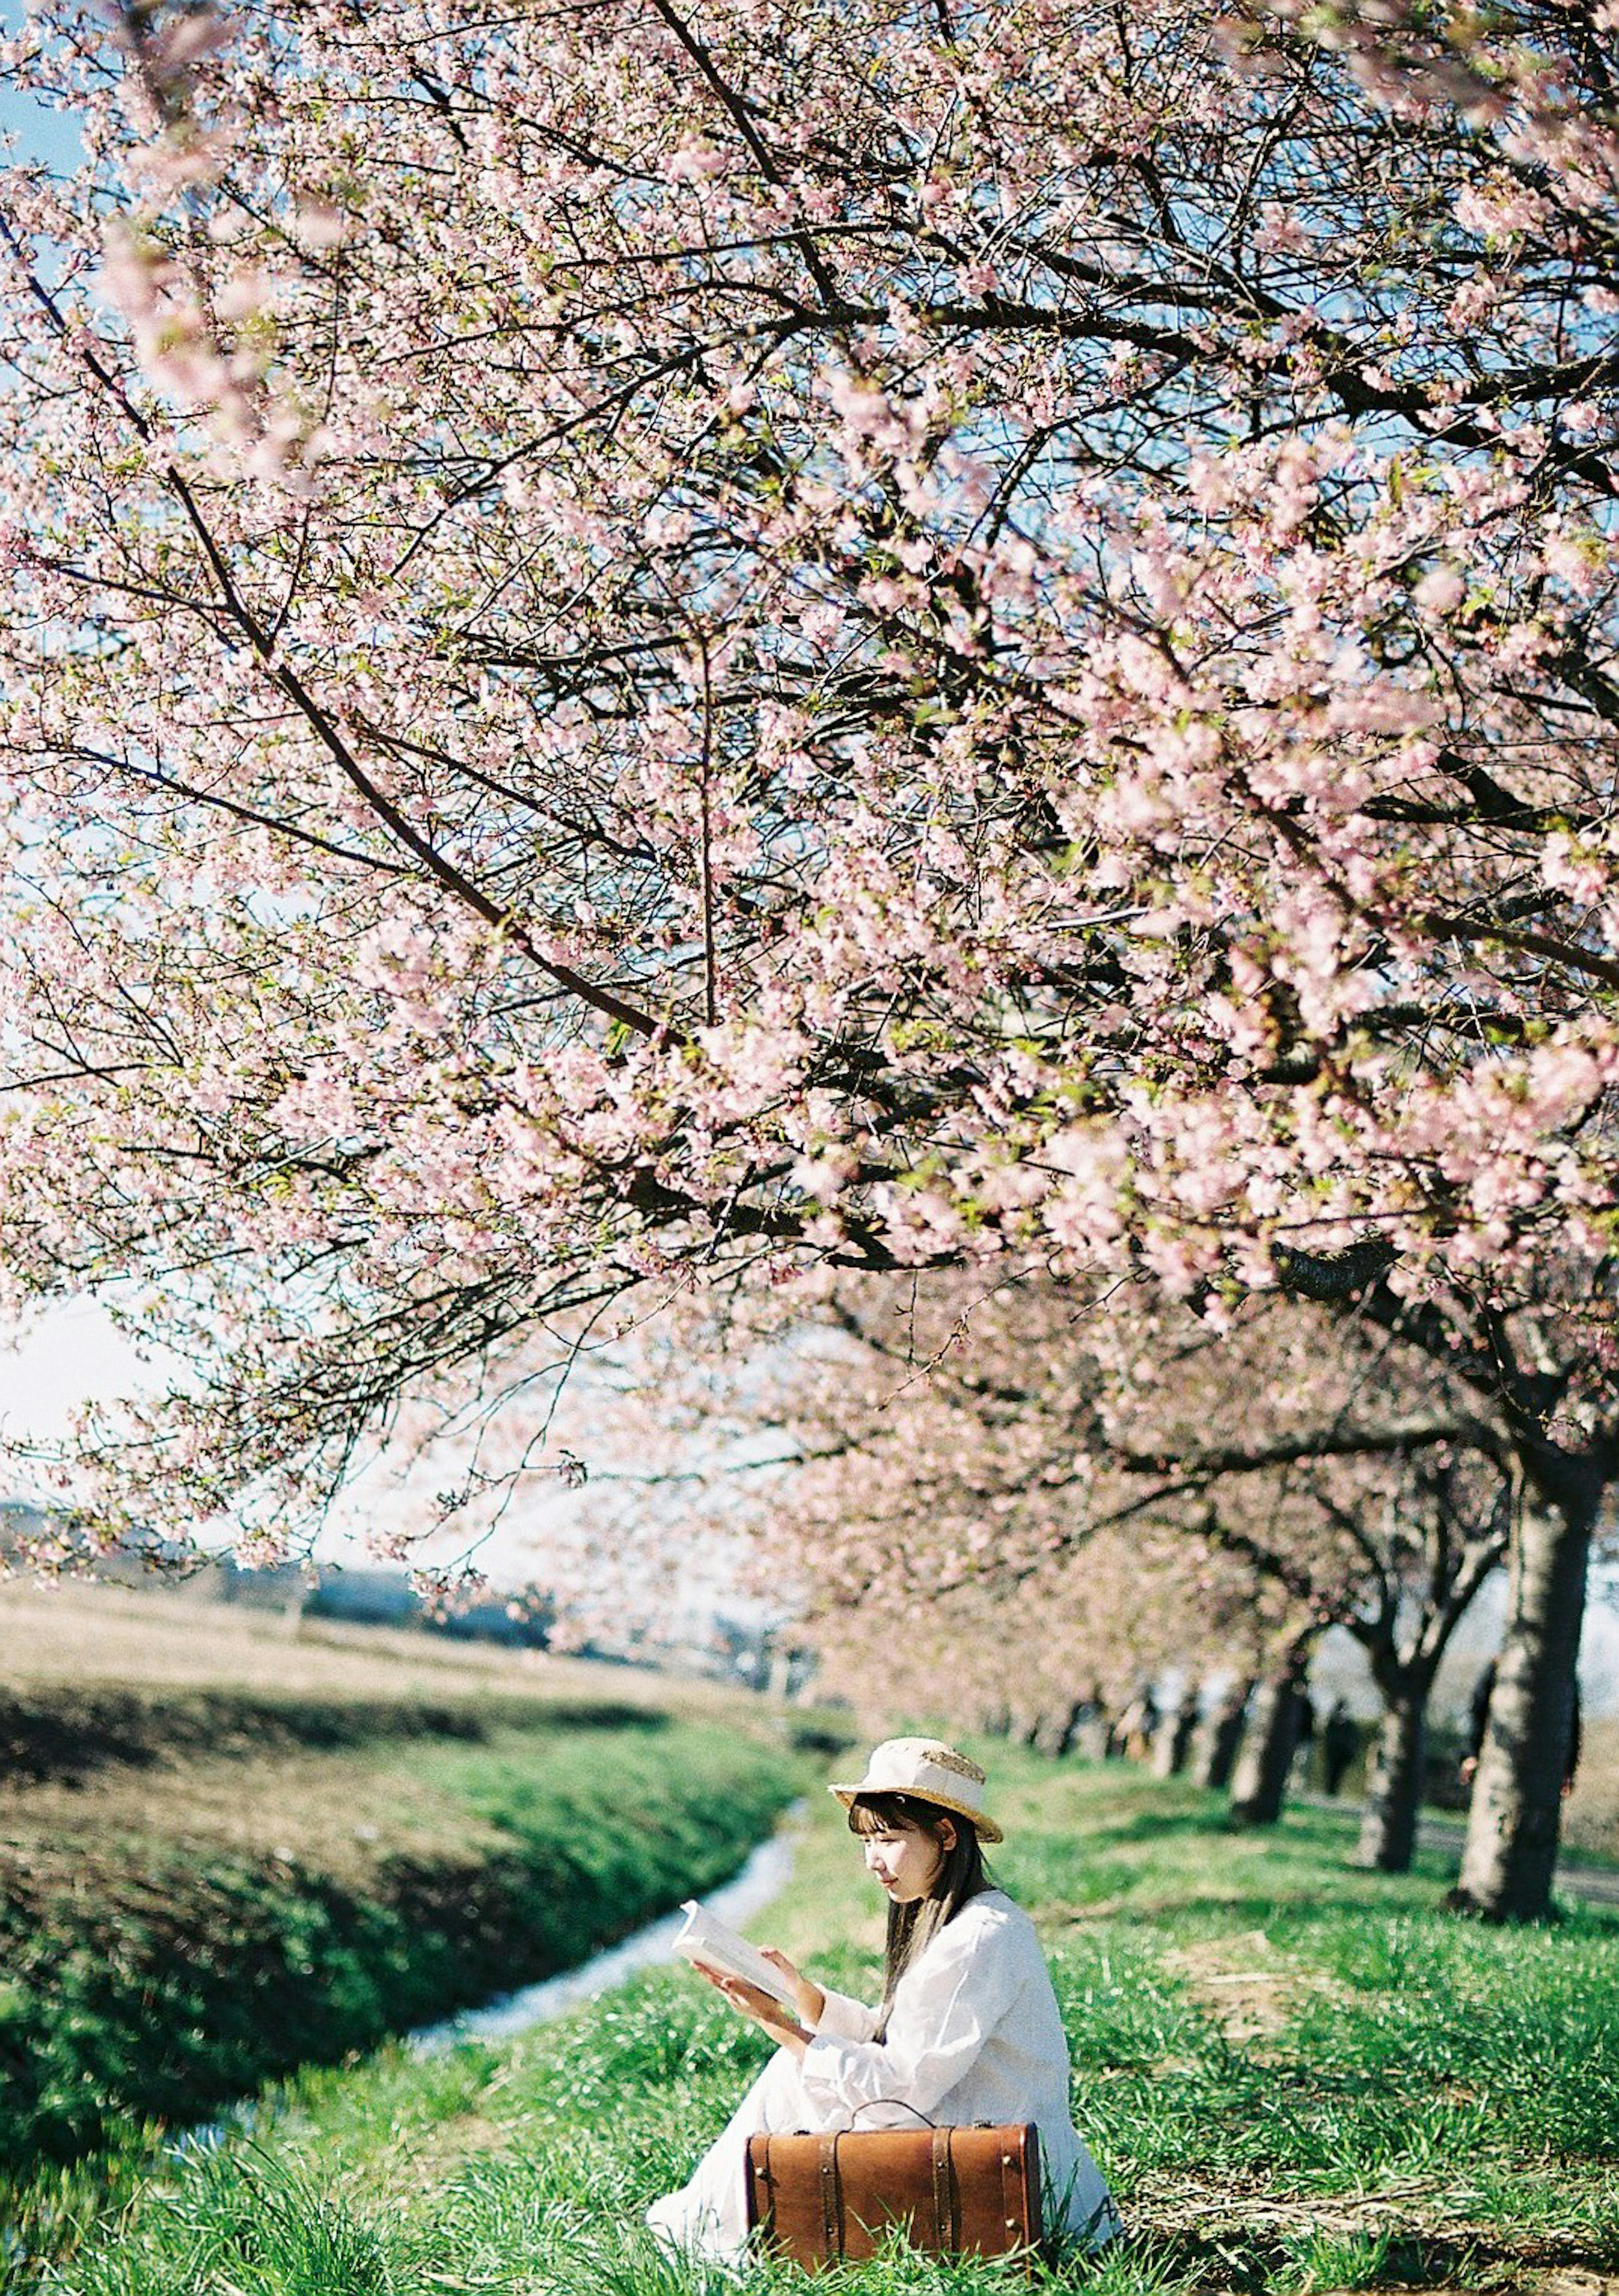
x=704 y=1939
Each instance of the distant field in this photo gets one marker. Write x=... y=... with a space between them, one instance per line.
x=125 y=1714
x=78 y=1633
x=225 y=1852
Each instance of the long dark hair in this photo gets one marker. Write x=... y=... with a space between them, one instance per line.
x=962 y=1875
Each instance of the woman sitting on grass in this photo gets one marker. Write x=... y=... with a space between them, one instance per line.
x=969 y=2030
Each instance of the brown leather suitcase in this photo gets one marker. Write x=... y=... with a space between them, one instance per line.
x=827 y=2199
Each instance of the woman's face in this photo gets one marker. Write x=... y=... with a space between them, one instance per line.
x=905 y=1861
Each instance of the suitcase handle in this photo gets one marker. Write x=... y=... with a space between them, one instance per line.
x=898 y=2102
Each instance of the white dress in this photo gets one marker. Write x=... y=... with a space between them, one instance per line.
x=974 y=2034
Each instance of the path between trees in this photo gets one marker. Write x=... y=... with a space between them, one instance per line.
x=1593 y=1885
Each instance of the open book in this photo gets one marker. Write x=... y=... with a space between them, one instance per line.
x=703 y=1939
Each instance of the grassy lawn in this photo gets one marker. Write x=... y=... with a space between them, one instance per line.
x=1298 y=2076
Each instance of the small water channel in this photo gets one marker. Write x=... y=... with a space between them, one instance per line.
x=745 y=1894
x=735 y=1901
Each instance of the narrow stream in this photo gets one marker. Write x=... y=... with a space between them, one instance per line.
x=735 y=1901
x=745 y=1894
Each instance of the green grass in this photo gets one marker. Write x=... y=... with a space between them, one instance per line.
x=173 y=1985
x=1299 y=2077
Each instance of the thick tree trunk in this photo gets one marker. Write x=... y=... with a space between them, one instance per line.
x=1268 y=1750
x=1172 y=1743
x=1517 y=1810
x=1218 y=1737
x=1394 y=1784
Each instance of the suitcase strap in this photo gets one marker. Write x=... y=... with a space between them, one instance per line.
x=946 y=2230
x=1011 y=2195
x=831 y=2224
x=946 y=2225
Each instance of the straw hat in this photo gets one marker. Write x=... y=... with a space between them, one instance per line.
x=931 y=1772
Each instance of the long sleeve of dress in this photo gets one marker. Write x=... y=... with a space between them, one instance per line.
x=845 y=2019
x=974 y=2033
x=942 y=2014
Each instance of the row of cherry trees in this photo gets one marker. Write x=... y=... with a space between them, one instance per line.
x=1038 y=1500
x=651 y=647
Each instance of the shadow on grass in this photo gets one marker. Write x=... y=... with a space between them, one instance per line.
x=67 y=1736
x=1213 y=1910
x=1149 y=1825
x=1231 y=2257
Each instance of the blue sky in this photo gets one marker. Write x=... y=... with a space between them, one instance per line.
x=41 y=134
x=78 y=1354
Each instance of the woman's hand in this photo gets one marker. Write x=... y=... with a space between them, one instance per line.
x=762 y=2007
x=808 y=1999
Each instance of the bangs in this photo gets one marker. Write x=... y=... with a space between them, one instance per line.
x=881 y=1813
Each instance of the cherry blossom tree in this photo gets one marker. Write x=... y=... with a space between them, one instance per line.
x=641 y=641
x=1141 y=1492
x=1402 y=1558
x=1039 y=1657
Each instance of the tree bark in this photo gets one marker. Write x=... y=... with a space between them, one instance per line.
x=1175 y=1738
x=1515 y=1816
x=1394 y=1784
x=1214 y=1753
x=1269 y=1748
